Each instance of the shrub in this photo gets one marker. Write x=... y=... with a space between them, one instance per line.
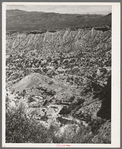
x=83 y=136
x=20 y=129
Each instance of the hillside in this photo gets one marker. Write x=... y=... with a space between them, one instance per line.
x=23 y=21
x=58 y=87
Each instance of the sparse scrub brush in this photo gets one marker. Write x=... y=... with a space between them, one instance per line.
x=20 y=129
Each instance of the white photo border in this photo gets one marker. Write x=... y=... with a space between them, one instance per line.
x=115 y=121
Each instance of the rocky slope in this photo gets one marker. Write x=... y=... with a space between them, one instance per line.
x=59 y=80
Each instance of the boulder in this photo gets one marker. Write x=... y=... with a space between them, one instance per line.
x=65 y=110
x=53 y=110
x=43 y=63
x=65 y=62
x=67 y=131
x=64 y=120
x=51 y=82
x=78 y=101
x=50 y=68
x=60 y=70
x=73 y=60
x=75 y=70
x=72 y=99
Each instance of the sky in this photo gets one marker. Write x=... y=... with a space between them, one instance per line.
x=70 y=9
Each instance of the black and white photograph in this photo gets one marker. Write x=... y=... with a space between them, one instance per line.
x=60 y=74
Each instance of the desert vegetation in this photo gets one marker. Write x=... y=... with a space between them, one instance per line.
x=58 y=85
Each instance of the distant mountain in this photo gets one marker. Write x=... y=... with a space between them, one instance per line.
x=23 y=21
x=108 y=17
x=17 y=12
x=110 y=14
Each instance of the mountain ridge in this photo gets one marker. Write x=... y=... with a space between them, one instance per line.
x=19 y=20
